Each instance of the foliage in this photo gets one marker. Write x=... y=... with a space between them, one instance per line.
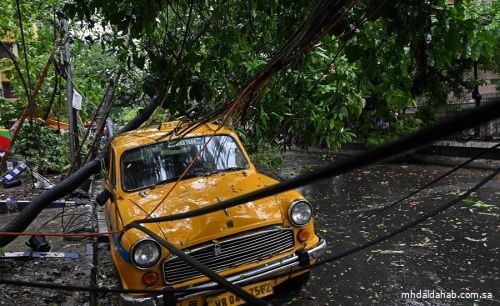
x=424 y=50
x=42 y=146
x=92 y=66
x=37 y=24
x=477 y=203
x=267 y=158
x=382 y=131
x=376 y=63
x=204 y=51
x=322 y=115
x=8 y=110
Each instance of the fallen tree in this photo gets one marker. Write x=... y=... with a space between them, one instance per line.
x=323 y=19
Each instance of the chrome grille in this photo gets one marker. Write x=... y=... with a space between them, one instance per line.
x=232 y=251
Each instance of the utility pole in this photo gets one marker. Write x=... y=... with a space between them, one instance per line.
x=72 y=115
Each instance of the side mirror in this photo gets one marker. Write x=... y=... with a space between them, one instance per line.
x=103 y=197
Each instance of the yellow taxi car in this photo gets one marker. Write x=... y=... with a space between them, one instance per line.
x=257 y=245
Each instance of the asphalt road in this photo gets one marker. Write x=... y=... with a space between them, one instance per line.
x=456 y=252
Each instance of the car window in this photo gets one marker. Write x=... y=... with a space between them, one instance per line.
x=166 y=161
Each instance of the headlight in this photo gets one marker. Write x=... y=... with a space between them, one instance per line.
x=300 y=213
x=146 y=253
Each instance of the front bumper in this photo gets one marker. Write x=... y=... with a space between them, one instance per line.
x=288 y=265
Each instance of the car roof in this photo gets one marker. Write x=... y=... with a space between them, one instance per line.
x=153 y=134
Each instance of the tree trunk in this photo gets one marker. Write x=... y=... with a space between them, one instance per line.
x=37 y=204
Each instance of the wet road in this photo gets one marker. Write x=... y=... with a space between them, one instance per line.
x=456 y=251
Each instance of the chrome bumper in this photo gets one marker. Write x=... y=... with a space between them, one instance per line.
x=287 y=265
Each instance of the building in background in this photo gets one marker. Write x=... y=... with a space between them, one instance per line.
x=6 y=88
x=488 y=90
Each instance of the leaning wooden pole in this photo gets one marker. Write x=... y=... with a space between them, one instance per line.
x=28 y=108
x=103 y=115
x=21 y=221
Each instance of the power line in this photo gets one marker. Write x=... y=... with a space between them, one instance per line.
x=81 y=288
x=460 y=166
x=321 y=21
x=25 y=51
x=249 y=298
x=317 y=264
x=411 y=224
x=410 y=142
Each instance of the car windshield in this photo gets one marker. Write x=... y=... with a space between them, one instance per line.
x=166 y=161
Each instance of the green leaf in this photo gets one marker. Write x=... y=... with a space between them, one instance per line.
x=475 y=51
x=397 y=99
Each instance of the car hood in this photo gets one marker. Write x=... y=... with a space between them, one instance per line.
x=191 y=194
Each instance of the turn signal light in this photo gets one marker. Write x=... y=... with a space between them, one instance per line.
x=150 y=278
x=303 y=235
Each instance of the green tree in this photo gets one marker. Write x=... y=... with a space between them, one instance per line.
x=379 y=59
x=204 y=51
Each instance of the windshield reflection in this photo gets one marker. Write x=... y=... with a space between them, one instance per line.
x=166 y=161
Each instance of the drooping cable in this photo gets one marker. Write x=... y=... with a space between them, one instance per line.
x=17 y=67
x=303 y=38
x=318 y=263
x=442 y=129
x=55 y=90
x=410 y=224
x=247 y=297
x=326 y=15
x=28 y=77
x=425 y=186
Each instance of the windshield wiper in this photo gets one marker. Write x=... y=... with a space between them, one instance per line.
x=200 y=174
x=228 y=170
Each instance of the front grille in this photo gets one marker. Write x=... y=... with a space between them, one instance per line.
x=230 y=252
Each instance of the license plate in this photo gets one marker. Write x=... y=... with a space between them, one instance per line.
x=191 y=302
x=229 y=299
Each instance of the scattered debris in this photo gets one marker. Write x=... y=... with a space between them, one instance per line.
x=390 y=252
x=426 y=245
x=38 y=244
x=9 y=180
x=11 y=205
x=28 y=254
x=475 y=240
x=41 y=181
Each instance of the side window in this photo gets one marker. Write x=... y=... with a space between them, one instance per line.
x=112 y=169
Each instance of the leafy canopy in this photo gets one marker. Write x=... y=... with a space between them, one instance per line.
x=357 y=82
